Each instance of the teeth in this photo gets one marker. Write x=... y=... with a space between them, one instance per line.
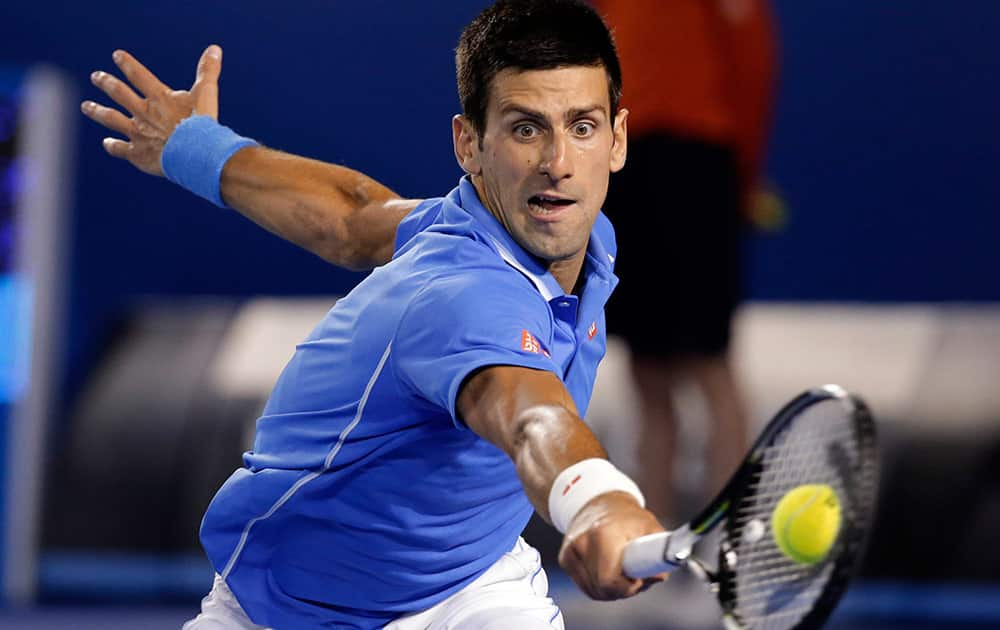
x=538 y=204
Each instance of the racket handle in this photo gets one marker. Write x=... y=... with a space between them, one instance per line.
x=658 y=553
x=646 y=556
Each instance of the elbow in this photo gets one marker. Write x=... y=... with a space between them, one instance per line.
x=355 y=240
x=341 y=255
x=350 y=257
x=333 y=242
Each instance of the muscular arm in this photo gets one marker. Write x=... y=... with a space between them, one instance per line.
x=530 y=415
x=341 y=215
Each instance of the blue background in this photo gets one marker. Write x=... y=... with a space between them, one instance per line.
x=885 y=146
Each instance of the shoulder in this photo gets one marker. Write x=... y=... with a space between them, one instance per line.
x=486 y=304
x=417 y=220
x=464 y=319
x=482 y=288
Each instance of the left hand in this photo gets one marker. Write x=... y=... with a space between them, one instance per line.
x=157 y=113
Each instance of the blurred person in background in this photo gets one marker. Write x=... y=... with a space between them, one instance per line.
x=700 y=81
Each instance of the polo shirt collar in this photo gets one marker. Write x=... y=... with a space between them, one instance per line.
x=515 y=255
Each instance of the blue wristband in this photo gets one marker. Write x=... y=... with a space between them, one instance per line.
x=195 y=153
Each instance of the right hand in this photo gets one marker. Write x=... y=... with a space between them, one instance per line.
x=593 y=547
x=155 y=114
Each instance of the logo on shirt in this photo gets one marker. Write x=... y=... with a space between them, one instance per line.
x=529 y=343
x=592 y=331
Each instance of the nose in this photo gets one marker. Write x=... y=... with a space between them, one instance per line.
x=556 y=161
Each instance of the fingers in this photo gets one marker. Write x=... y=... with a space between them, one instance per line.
x=119 y=92
x=598 y=575
x=153 y=118
x=206 y=82
x=117 y=148
x=138 y=74
x=614 y=584
x=110 y=118
x=113 y=120
x=649 y=582
x=576 y=567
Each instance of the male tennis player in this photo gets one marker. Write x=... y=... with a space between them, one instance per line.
x=412 y=433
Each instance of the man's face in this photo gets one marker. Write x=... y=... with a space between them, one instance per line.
x=548 y=149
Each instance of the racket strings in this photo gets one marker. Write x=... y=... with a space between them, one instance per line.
x=820 y=447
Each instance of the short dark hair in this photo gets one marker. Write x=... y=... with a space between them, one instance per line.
x=531 y=35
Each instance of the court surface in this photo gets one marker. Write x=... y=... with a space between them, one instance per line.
x=683 y=605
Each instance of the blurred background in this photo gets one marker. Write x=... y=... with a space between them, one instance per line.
x=141 y=328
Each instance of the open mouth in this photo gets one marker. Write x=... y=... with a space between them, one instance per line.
x=545 y=204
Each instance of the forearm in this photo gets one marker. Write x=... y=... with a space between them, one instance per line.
x=312 y=204
x=531 y=417
x=547 y=441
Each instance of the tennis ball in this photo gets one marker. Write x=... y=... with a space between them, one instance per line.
x=806 y=522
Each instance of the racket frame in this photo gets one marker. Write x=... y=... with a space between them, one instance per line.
x=665 y=552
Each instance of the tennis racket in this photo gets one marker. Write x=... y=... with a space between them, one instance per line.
x=824 y=436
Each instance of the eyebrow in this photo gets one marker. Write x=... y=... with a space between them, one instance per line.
x=572 y=114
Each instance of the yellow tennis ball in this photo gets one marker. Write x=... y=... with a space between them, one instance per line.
x=806 y=522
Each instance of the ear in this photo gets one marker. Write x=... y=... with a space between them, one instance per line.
x=619 y=142
x=466 y=142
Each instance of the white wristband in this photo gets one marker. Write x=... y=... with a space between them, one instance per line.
x=581 y=482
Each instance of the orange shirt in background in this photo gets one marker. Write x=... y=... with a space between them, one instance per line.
x=698 y=68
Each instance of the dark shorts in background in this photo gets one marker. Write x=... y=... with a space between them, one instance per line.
x=676 y=212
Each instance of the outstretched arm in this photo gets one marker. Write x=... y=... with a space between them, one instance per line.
x=530 y=416
x=337 y=213
x=341 y=215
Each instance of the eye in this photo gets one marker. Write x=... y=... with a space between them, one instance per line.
x=525 y=131
x=583 y=129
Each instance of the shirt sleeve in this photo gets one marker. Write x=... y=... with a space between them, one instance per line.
x=464 y=322
x=416 y=221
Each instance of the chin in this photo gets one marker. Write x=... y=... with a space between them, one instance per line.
x=554 y=254
x=552 y=248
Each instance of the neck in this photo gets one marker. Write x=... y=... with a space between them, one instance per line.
x=567 y=272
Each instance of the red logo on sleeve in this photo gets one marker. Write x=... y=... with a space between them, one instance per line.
x=530 y=344
x=592 y=331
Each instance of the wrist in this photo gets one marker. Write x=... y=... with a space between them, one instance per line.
x=196 y=152
x=580 y=483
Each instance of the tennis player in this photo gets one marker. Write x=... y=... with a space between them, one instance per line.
x=413 y=432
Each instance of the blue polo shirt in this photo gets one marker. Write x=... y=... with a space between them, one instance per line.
x=365 y=497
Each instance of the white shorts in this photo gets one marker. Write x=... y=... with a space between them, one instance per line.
x=513 y=593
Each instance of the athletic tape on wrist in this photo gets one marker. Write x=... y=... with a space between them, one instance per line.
x=581 y=482
x=195 y=153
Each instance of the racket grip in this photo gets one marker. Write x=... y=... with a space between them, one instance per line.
x=646 y=556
